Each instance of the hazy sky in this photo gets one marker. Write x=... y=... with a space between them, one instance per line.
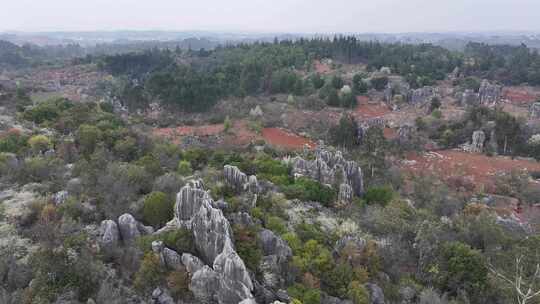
x=271 y=15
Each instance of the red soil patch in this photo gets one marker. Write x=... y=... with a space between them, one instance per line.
x=479 y=168
x=365 y=110
x=390 y=133
x=285 y=139
x=322 y=68
x=519 y=96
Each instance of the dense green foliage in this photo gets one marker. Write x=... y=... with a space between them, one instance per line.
x=158 y=209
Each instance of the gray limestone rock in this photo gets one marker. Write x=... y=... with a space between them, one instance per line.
x=228 y=280
x=192 y=263
x=376 y=294
x=128 y=227
x=489 y=94
x=535 y=110
x=162 y=296
x=110 y=235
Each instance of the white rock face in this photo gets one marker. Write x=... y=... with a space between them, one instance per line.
x=331 y=168
x=227 y=281
x=239 y=180
x=110 y=236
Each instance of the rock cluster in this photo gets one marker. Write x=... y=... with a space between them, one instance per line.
x=422 y=95
x=489 y=94
x=478 y=140
x=396 y=86
x=535 y=110
x=469 y=97
x=331 y=168
x=227 y=279
x=239 y=180
x=274 y=264
x=127 y=229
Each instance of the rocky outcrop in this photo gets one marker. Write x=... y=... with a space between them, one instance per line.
x=489 y=94
x=376 y=295
x=535 y=110
x=227 y=280
x=469 y=98
x=168 y=257
x=162 y=296
x=330 y=168
x=345 y=194
x=239 y=180
x=128 y=227
x=110 y=236
x=422 y=95
x=192 y=263
x=274 y=264
x=477 y=144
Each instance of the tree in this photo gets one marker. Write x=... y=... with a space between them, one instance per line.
x=379 y=83
x=333 y=99
x=524 y=275
x=39 y=143
x=345 y=134
x=184 y=168
x=337 y=82
x=463 y=269
x=359 y=86
x=317 y=80
x=157 y=209
x=87 y=138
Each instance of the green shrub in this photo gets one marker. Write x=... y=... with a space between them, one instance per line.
x=306 y=189
x=150 y=275
x=304 y=295
x=379 y=195
x=184 y=168
x=13 y=141
x=358 y=293
x=178 y=283
x=54 y=272
x=47 y=111
x=276 y=224
x=157 y=209
x=463 y=268
x=180 y=240
x=150 y=164
x=246 y=243
x=39 y=143
x=337 y=279
x=87 y=137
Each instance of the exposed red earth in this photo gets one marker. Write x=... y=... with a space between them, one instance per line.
x=239 y=134
x=284 y=139
x=480 y=169
x=366 y=110
x=519 y=95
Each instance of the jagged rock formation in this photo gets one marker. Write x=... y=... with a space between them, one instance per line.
x=376 y=295
x=396 y=86
x=423 y=95
x=227 y=281
x=127 y=229
x=256 y=112
x=274 y=264
x=469 y=97
x=405 y=134
x=161 y=296
x=332 y=169
x=489 y=94
x=168 y=257
x=239 y=180
x=345 y=193
x=110 y=235
x=535 y=110
x=477 y=145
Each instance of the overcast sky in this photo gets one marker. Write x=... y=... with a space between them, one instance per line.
x=271 y=15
